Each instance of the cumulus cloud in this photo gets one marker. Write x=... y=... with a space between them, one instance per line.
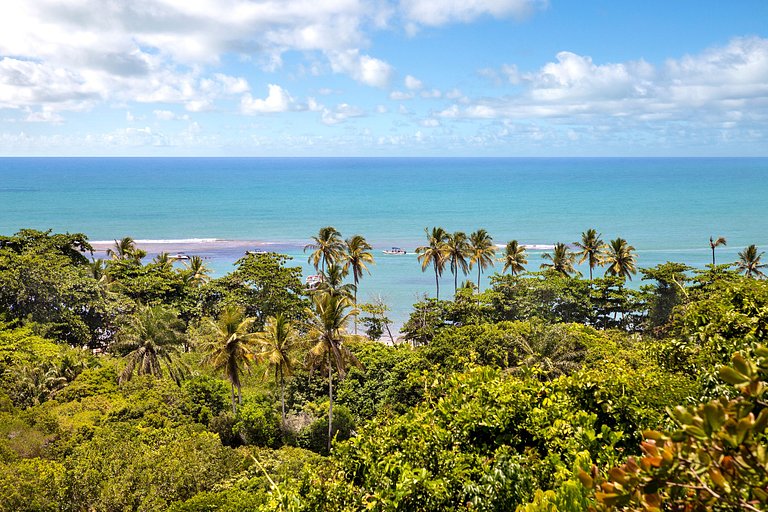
x=727 y=83
x=363 y=68
x=278 y=100
x=440 y=12
x=412 y=83
x=340 y=114
x=72 y=55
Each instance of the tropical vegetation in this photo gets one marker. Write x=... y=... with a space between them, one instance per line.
x=136 y=383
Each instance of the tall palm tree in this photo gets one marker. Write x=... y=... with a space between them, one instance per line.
x=591 y=244
x=333 y=282
x=562 y=260
x=327 y=248
x=277 y=344
x=749 y=262
x=716 y=243
x=197 y=271
x=125 y=249
x=327 y=329
x=482 y=251
x=434 y=254
x=620 y=258
x=228 y=347
x=456 y=253
x=153 y=338
x=357 y=252
x=514 y=258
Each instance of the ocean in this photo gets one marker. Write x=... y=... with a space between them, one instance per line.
x=667 y=208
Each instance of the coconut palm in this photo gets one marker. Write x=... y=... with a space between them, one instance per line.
x=197 y=271
x=327 y=248
x=456 y=253
x=332 y=282
x=357 y=252
x=434 y=254
x=716 y=243
x=163 y=260
x=326 y=326
x=125 y=249
x=482 y=251
x=620 y=259
x=228 y=347
x=514 y=258
x=562 y=260
x=591 y=244
x=550 y=349
x=277 y=344
x=153 y=338
x=749 y=262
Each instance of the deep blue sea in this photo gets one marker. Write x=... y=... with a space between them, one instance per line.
x=666 y=207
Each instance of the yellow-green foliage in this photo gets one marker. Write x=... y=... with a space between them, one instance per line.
x=21 y=345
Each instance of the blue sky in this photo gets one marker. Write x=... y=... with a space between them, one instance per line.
x=384 y=78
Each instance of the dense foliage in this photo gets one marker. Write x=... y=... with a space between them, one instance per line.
x=146 y=385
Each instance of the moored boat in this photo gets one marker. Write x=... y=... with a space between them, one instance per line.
x=395 y=250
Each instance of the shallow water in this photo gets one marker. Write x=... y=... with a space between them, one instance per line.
x=666 y=208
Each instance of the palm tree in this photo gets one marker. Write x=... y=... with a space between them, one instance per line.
x=228 y=347
x=620 y=258
x=456 y=253
x=198 y=271
x=434 y=254
x=153 y=338
x=125 y=249
x=327 y=247
x=357 y=252
x=277 y=343
x=749 y=262
x=514 y=258
x=551 y=349
x=163 y=260
x=333 y=282
x=482 y=251
x=591 y=244
x=716 y=243
x=327 y=328
x=562 y=260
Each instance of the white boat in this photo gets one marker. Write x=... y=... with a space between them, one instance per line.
x=257 y=251
x=395 y=250
x=313 y=281
x=179 y=256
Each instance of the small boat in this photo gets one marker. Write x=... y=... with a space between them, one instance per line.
x=395 y=250
x=313 y=281
x=179 y=256
x=257 y=251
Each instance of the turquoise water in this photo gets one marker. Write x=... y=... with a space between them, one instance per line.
x=666 y=208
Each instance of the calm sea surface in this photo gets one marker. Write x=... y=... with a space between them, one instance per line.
x=666 y=208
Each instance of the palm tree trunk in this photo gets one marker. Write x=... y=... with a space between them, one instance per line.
x=282 y=395
x=478 y=278
x=330 y=403
x=455 y=270
x=713 y=256
x=437 y=284
x=239 y=394
x=353 y=270
x=234 y=406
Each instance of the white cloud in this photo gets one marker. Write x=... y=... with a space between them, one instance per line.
x=400 y=95
x=412 y=83
x=340 y=114
x=278 y=100
x=363 y=68
x=430 y=123
x=440 y=12
x=723 y=84
x=167 y=115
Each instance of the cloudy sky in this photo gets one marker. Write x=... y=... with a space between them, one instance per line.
x=384 y=77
